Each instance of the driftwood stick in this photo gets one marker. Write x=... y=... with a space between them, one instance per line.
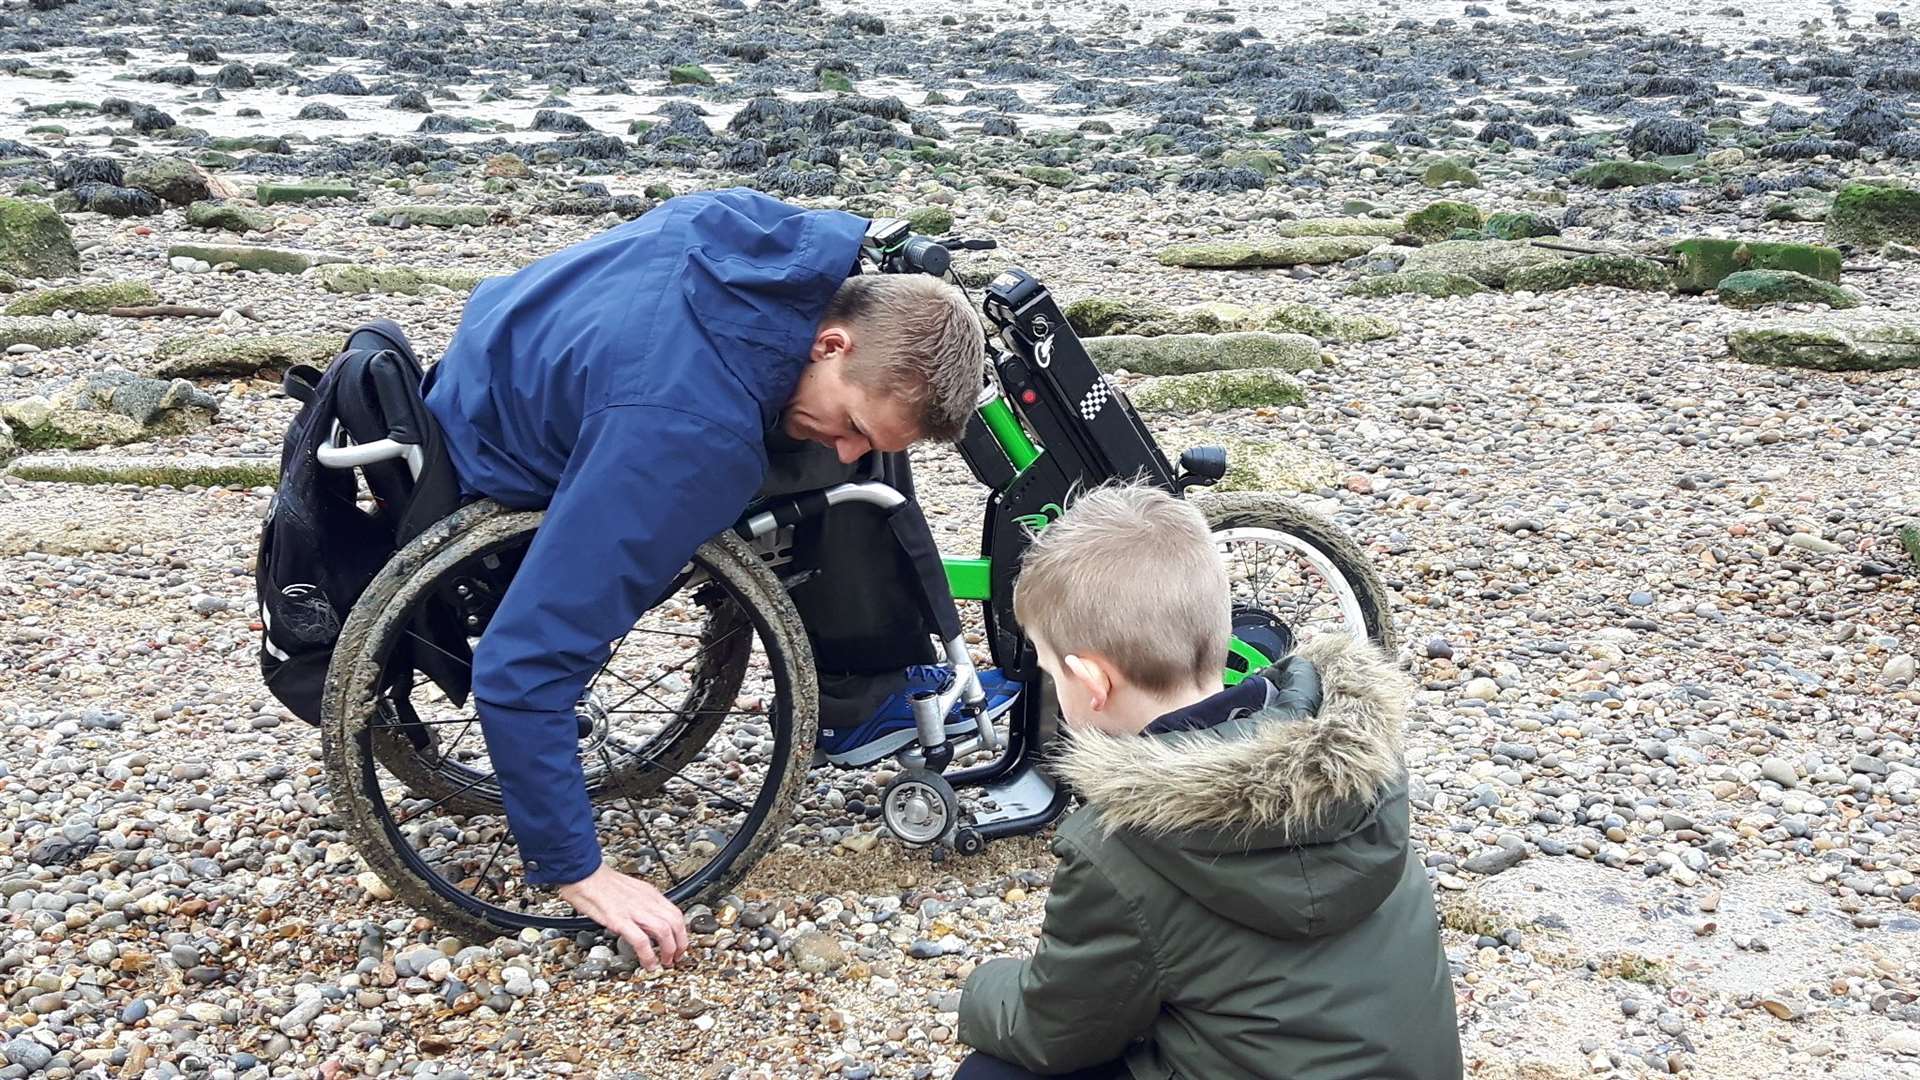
x=176 y=310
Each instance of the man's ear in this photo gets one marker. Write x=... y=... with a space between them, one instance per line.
x=1094 y=679
x=831 y=341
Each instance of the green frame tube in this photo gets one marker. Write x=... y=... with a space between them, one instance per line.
x=999 y=418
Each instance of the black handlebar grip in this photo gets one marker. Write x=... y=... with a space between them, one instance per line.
x=928 y=257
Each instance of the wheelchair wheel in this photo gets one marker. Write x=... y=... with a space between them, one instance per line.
x=1296 y=567
x=695 y=735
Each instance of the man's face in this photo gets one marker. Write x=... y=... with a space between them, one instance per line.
x=832 y=410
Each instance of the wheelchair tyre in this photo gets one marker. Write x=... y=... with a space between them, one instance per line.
x=1317 y=578
x=360 y=743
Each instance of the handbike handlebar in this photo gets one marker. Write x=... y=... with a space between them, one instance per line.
x=893 y=246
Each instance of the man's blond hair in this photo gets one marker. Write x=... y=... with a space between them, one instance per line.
x=1131 y=574
x=917 y=341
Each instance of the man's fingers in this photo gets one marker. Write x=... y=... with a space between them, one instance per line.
x=661 y=931
x=636 y=936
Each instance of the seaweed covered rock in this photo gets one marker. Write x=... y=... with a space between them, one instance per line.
x=443 y=217
x=1857 y=342
x=356 y=280
x=34 y=242
x=1435 y=283
x=196 y=355
x=1518 y=225
x=1439 y=220
x=1442 y=173
x=1606 y=175
x=1216 y=391
x=1701 y=263
x=1619 y=271
x=1760 y=288
x=1282 y=465
x=1185 y=354
x=94 y=298
x=1342 y=226
x=229 y=217
x=45 y=332
x=1486 y=261
x=1869 y=216
x=1296 y=251
x=108 y=408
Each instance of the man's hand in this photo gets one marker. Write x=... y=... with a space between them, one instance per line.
x=634 y=910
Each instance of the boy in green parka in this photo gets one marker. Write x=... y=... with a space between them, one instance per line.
x=1238 y=897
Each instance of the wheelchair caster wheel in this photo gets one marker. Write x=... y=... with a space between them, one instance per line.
x=920 y=807
x=968 y=841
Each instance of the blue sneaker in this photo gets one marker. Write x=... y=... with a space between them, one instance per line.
x=890 y=728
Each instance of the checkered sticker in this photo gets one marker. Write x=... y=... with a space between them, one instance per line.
x=1095 y=399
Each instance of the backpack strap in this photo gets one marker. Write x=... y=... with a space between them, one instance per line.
x=301 y=383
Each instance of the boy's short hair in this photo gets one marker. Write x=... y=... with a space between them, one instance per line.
x=1131 y=574
x=921 y=345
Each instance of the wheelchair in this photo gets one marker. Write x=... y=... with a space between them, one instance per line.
x=697 y=734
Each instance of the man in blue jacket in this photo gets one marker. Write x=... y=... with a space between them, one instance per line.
x=627 y=384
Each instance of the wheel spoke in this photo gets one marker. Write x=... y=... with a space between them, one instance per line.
x=679 y=667
x=731 y=802
x=659 y=855
x=468 y=664
x=447 y=798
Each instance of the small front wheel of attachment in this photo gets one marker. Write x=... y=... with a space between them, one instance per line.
x=920 y=807
x=968 y=841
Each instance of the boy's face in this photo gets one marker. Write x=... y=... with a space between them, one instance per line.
x=1084 y=686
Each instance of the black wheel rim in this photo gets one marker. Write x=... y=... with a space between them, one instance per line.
x=499 y=894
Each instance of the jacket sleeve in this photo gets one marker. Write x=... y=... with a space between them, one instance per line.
x=1090 y=988
x=644 y=486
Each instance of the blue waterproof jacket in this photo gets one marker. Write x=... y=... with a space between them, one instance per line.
x=625 y=384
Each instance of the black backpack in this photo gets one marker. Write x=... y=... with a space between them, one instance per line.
x=319 y=549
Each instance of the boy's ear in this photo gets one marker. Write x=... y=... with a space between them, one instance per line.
x=1095 y=681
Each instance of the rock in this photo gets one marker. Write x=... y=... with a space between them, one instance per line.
x=931 y=221
x=1749 y=289
x=816 y=953
x=198 y=355
x=1815 y=544
x=108 y=407
x=356 y=280
x=173 y=470
x=230 y=217
x=93 y=299
x=1495 y=861
x=1280 y=465
x=689 y=75
x=27 y=1054
x=170 y=179
x=269 y=194
x=1899 y=669
x=45 y=332
x=1780 y=771
x=1343 y=226
x=1185 y=354
x=1216 y=391
x=35 y=242
x=1481 y=689
x=1805 y=209
x=1867 y=341
x=1438 y=220
x=1869 y=216
x=626 y=206
x=1050 y=175
x=1432 y=283
x=1785 y=1006
x=255 y=257
x=1486 y=261
x=1619 y=271
x=1325 y=325
x=320 y=110
x=1518 y=225
x=1664 y=136
x=1703 y=262
x=1902 y=1041
x=1442 y=173
x=1614 y=174
x=509 y=166
x=1297 y=251
x=117 y=202
x=444 y=217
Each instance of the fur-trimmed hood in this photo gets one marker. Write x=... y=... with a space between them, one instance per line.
x=1212 y=809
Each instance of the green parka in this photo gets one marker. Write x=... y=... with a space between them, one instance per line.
x=1238 y=901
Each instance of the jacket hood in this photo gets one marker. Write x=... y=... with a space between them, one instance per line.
x=1289 y=822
